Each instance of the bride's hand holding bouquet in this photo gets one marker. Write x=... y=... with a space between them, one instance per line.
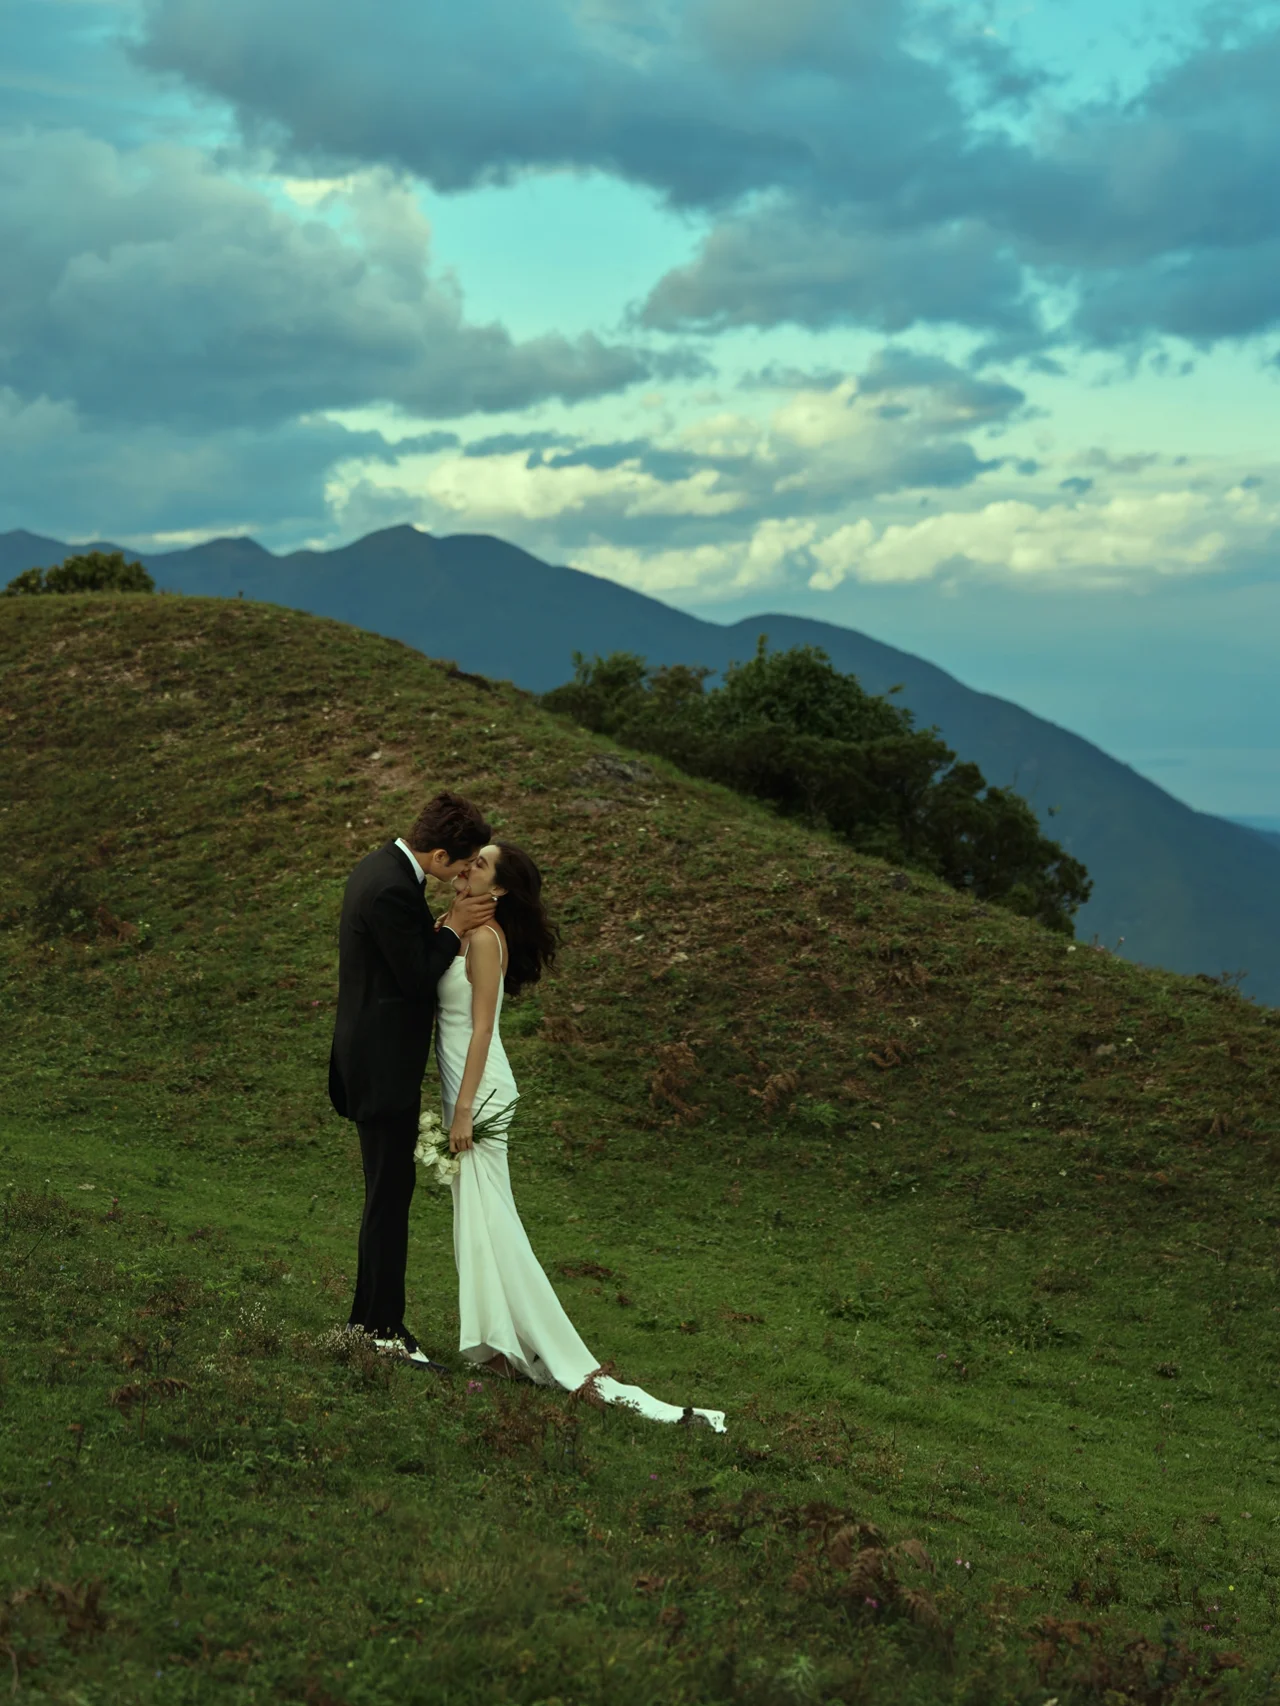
x=440 y=1150
x=462 y=1130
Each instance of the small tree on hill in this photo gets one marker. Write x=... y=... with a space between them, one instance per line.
x=94 y=571
x=789 y=728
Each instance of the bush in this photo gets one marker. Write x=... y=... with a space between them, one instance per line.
x=789 y=728
x=95 y=571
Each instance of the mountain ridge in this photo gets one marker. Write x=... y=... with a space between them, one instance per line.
x=1173 y=887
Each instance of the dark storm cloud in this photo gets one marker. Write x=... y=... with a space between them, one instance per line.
x=147 y=286
x=847 y=150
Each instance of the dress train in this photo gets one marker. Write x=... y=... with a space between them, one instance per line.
x=506 y=1303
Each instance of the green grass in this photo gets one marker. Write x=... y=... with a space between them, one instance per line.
x=972 y=1235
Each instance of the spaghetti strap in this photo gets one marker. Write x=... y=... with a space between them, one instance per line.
x=501 y=955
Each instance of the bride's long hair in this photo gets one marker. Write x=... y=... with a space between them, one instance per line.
x=532 y=939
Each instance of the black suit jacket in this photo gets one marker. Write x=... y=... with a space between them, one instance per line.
x=390 y=959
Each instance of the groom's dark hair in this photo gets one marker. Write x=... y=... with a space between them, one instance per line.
x=450 y=822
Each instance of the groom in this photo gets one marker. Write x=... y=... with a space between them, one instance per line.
x=390 y=959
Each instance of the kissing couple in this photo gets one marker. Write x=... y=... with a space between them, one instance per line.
x=400 y=971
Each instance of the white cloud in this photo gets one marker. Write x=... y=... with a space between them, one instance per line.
x=1121 y=539
x=833 y=484
x=725 y=434
x=660 y=572
x=500 y=488
x=902 y=425
x=884 y=431
x=314 y=192
x=707 y=570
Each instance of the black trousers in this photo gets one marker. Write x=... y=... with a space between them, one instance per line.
x=386 y=1150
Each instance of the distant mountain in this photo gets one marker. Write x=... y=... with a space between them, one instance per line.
x=1183 y=889
x=1267 y=827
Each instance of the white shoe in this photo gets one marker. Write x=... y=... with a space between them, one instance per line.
x=406 y=1347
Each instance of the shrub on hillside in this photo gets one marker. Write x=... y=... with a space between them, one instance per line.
x=94 y=571
x=789 y=728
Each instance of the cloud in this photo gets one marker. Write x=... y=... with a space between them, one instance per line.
x=65 y=476
x=504 y=443
x=147 y=285
x=1121 y=540
x=900 y=425
x=775 y=376
x=960 y=397
x=760 y=560
x=726 y=495
x=1136 y=462
x=1206 y=297
x=883 y=164
x=498 y=489
x=703 y=101
x=820 y=267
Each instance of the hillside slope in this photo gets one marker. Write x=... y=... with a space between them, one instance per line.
x=969 y=1229
x=1184 y=890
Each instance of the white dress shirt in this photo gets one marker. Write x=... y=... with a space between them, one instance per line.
x=404 y=847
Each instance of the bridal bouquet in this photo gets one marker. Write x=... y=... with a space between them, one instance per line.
x=433 y=1140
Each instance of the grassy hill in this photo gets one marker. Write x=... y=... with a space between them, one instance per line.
x=971 y=1230
x=1181 y=889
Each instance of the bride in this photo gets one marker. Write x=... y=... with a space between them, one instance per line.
x=512 y=1323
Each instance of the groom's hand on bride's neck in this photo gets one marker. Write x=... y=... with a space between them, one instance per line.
x=468 y=912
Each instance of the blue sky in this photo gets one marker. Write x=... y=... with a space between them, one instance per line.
x=959 y=324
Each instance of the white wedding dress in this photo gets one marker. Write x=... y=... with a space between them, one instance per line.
x=505 y=1301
